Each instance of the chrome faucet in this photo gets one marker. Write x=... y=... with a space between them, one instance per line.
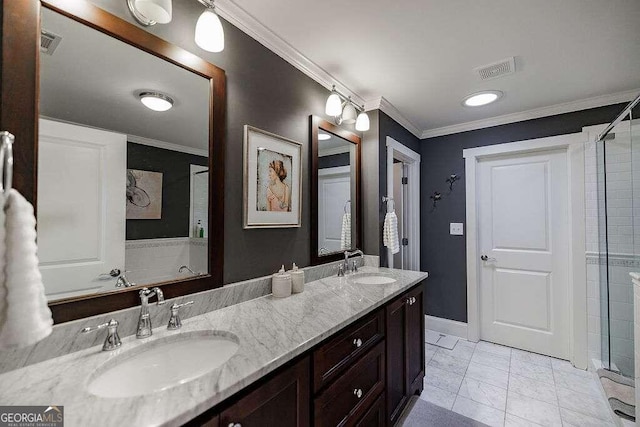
x=123 y=282
x=186 y=267
x=353 y=268
x=112 y=341
x=144 y=322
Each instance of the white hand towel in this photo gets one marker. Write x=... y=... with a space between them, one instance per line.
x=25 y=317
x=345 y=235
x=390 y=232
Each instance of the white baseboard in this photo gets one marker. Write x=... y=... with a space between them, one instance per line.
x=446 y=326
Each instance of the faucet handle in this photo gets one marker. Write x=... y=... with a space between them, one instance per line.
x=340 y=270
x=112 y=341
x=354 y=266
x=159 y=294
x=174 y=321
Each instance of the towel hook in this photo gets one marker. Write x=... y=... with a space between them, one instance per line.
x=386 y=199
x=6 y=161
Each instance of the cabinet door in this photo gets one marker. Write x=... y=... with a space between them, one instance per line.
x=396 y=322
x=283 y=401
x=415 y=341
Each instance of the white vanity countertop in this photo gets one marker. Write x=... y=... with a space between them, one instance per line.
x=271 y=332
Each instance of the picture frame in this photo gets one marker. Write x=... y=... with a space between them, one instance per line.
x=272 y=180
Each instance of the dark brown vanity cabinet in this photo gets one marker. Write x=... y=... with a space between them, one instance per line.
x=405 y=350
x=361 y=376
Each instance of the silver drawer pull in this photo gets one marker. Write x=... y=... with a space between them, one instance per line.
x=235 y=425
x=358 y=392
x=357 y=342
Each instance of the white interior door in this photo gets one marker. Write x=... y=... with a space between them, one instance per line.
x=334 y=190
x=81 y=207
x=523 y=226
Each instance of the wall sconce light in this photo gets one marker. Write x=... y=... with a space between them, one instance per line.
x=209 y=34
x=343 y=110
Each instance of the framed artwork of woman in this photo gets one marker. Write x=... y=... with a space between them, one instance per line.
x=272 y=180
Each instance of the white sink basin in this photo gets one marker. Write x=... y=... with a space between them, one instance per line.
x=372 y=279
x=164 y=363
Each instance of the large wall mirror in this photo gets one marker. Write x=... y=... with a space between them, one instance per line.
x=335 y=191
x=128 y=162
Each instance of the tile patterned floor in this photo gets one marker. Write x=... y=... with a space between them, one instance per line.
x=501 y=386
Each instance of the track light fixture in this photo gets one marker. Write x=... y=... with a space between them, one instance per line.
x=344 y=110
x=209 y=34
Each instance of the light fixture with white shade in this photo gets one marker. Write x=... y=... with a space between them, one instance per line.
x=209 y=34
x=156 y=101
x=323 y=136
x=343 y=110
x=151 y=12
x=334 y=104
x=362 y=123
x=479 y=99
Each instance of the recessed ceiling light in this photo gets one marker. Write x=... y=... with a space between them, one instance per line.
x=323 y=136
x=156 y=101
x=482 y=98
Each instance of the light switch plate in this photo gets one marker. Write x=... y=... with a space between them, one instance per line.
x=456 y=229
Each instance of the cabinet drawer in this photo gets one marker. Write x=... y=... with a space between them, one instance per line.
x=375 y=416
x=345 y=401
x=337 y=354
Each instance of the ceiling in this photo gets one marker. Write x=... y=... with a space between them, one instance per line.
x=419 y=55
x=93 y=79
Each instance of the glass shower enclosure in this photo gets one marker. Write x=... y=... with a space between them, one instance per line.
x=613 y=239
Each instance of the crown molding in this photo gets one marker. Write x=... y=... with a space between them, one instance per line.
x=390 y=110
x=167 y=145
x=567 y=107
x=244 y=21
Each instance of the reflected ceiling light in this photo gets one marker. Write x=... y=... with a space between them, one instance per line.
x=362 y=123
x=323 y=136
x=156 y=101
x=346 y=112
x=482 y=98
x=209 y=33
x=150 y=12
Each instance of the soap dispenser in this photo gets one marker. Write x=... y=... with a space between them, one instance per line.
x=297 y=279
x=281 y=284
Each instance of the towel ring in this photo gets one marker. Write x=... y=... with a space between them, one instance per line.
x=6 y=161
x=386 y=199
x=348 y=202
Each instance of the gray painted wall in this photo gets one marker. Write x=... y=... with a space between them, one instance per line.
x=443 y=255
x=264 y=91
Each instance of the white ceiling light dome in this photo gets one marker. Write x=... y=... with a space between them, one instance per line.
x=479 y=99
x=156 y=101
x=323 y=136
x=334 y=104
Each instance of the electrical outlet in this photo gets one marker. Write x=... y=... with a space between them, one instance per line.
x=456 y=229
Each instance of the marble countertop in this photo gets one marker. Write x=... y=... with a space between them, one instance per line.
x=271 y=332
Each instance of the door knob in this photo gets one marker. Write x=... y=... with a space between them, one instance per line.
x=486 y=258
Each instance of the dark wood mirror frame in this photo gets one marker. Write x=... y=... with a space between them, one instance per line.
x=317 y=123
x=19 y=105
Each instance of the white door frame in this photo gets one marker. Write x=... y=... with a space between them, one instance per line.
x=573 y=144
x=412 y=160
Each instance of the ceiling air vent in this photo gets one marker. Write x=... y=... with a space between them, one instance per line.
x=497 y=69
x=49 y=42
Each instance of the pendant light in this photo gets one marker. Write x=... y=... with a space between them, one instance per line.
x=151 y=12
x=334 y=104
x=362 y=122
x=209 y=34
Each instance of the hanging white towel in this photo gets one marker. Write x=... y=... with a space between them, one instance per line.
x=25 y=317
x=345 y=235
x=390 y=232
